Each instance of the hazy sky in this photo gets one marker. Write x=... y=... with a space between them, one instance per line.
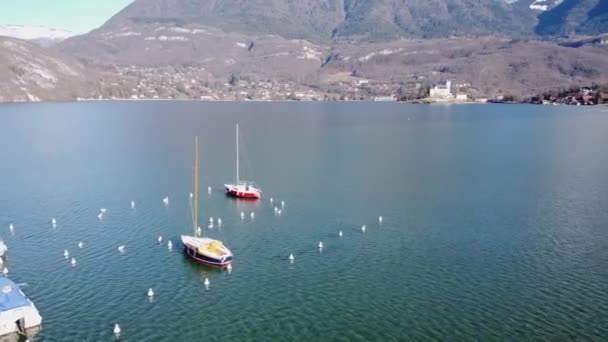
x=73 y=15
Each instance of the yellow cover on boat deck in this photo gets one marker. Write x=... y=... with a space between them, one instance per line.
x=214 y=247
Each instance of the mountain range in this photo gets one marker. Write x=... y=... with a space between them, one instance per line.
x=323 y=20
x=493 y=46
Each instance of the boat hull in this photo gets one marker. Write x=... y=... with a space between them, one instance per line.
x=242 y=191
x=205 y=259
x=242 y=194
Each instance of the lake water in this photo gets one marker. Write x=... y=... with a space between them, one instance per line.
x=495 y=220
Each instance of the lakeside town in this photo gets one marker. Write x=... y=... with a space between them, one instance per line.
x=196 y=83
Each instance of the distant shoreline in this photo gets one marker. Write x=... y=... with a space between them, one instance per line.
x=422 y=102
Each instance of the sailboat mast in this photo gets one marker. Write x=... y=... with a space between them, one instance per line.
x=237 y=153
x=195 y=223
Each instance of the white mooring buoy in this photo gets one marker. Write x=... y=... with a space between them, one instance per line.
x=5 y=271
x=242 y=215
x=380 y=219
x=166 y=200
x=11 y=228
x=291 y=258
x=132 y=204
x=73 y=262
x=320 y=244
x=116 y=329
x=363 y=228
x=340 y=234
x=80 y=244
x=209 y=190
x=271 y=200
x=219 y=221
x=207 y=283
x=170 y=245
x=282 y=204
x=121 y=248
x=160 y=239
x=229 y=268
x=252 y=215
x=150 y=292
x=66 y=254
x=54 y=222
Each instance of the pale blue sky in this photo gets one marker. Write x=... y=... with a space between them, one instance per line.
x=79 y=16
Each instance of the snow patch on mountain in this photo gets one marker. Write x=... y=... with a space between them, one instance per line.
x=34 y=32
x=539 y=5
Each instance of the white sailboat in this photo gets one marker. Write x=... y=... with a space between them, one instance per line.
x=204 y=250
x=242 y=189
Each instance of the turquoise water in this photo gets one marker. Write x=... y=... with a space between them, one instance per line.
x=495 y=220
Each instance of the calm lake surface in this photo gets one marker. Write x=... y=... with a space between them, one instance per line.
x=495 y=220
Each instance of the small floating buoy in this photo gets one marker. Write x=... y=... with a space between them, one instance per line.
x=150 y=292
x=191 y=195
x=66 y=254
x=291 y=257
x=170 y=245
x=363 y=228
x=100 y=216
x=209 y=190
x=199 y=231
x=207 y=282
x=11 y=228
x=282 y=204
x=219 y=221
x=380 y=219
x=166 y=200
x=103 y=210
x=160 y=239
x=242 y=215
x=279 y=212
x=340 y=234
x=5 y=271
x=132 y=204
x=271 y=200
x=121 y=248
x=116 y=329
x=229 y=268
x=80 y=244
x=252 y=215
x=54 y=222
x=73 y=262
x=320 y=244
x=276 y=210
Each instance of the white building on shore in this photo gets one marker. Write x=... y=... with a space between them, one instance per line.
x=442 y=91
